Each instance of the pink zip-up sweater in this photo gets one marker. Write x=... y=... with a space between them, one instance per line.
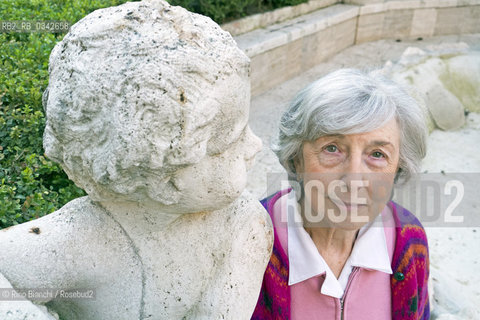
x=408 y=282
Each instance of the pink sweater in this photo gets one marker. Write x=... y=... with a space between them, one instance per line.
x=366 y=295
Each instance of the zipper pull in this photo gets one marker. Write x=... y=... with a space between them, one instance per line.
x=341 y=308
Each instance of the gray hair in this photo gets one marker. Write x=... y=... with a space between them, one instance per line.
x=348 y=101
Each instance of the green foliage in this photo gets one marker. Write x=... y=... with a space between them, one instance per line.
x=30 y=184
x=225 y=10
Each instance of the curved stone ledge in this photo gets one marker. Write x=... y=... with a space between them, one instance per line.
x=283 y=50
x=274 y=36
x=410 y=19
x=262 y=20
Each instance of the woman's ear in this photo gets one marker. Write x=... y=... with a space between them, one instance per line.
x=397 y=175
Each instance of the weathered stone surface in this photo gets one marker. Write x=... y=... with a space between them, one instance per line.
x=147 y=109
x=284 y=62
x=277 y=56
x=363 y=2
x=144 y=69
x=448 y=84
x=397 y=23
x=421 y=99
x=445 y=108
x=265 y=19
x=370 y=27
x=413 y=56
x=458 y=20
x=423 y=22
x=12 y=308
x=462 y=78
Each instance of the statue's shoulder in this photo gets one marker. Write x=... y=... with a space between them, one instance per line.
x=46 y=226
x=80 y=217
x=247 y=207
x=249 y=217
x=81 y=227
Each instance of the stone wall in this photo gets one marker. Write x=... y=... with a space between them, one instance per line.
x=409 y=19
x=282 y=51
x=262 y=20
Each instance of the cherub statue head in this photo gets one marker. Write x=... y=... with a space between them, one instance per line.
x=151 y=106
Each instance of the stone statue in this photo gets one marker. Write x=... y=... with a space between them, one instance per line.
x=147 y=109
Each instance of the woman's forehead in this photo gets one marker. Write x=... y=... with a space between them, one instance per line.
x=388 y=134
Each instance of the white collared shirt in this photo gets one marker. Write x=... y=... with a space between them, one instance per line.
x=369 y=252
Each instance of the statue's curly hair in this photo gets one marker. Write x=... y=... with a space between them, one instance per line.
x=128 y=102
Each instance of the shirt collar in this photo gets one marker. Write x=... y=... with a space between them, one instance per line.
x=306 y=262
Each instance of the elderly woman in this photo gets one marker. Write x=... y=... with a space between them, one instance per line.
x=343 y=249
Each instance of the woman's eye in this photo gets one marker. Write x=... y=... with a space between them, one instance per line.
x=331 y=148
x=378 y=154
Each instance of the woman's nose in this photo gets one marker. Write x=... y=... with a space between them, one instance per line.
x=354 y=170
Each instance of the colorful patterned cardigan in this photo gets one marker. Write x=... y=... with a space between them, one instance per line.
x=408 y=282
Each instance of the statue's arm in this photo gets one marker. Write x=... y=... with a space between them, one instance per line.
x=57 y=250
x=33 y=254
x=20 y=309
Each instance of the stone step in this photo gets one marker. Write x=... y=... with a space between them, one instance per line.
x=277 y=35
x=262 y=20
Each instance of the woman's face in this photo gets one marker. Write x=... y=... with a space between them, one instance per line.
x=348 y=179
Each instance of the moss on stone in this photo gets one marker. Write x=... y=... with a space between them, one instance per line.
x=463 y=88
